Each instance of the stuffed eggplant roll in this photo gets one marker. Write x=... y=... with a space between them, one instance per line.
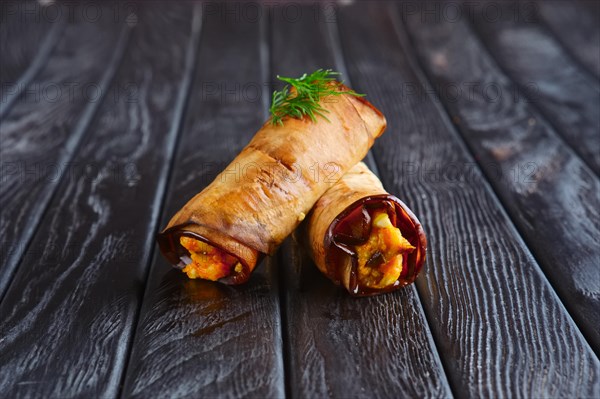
x=267 y=190
x=364 y=238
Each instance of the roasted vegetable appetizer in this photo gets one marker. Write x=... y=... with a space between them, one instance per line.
x=267 y=190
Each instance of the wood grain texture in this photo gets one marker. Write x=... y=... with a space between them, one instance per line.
x=23 y=29
x=550 y=80
x=337 y=345
x=46 y=124
x=576 y=27
x=29 y=32
x=346 y=347
x=198 y=338
x=551 y=195
x=69 y=315
x=498 y=324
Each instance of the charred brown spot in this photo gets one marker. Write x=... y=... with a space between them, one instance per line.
x=375 y=260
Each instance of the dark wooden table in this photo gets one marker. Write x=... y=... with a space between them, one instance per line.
x=114 y=115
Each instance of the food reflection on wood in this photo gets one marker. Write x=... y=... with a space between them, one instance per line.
x=363 y=238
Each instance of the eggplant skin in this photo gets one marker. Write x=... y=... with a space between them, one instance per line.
x=359 y=188
x=266 y=191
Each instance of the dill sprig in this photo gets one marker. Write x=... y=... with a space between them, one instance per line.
x=300 y=96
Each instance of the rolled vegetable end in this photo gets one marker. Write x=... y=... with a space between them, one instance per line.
x=207 y=262
x=375 y=246
x=364 y=238
x=219 y=258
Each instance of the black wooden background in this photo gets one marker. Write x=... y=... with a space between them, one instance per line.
x=114 y=114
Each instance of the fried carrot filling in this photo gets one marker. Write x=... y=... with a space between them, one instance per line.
x=208 y=262
x=380 y=258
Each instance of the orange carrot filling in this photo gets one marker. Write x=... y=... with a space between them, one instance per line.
x=208 y=262
x=380 y=258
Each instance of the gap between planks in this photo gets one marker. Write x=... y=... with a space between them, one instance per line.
x=419 y=69
x=333 y=31
x=67 y=154
x=165 y=178
x=36 y=65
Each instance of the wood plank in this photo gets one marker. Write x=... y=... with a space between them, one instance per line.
x=499 y=326
x=24 y=27
x=550 y=194
x=593 y=7
x=198 y=338
x=576 y=27
x=337 y=345
x=46 y=124
x=69 y=315
x=29 y=32
x=566 y=95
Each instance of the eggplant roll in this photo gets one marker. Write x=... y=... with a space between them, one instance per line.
x=267 y=190
x=362 y=237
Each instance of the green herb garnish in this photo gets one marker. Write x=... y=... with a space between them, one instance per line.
x=304 y=98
